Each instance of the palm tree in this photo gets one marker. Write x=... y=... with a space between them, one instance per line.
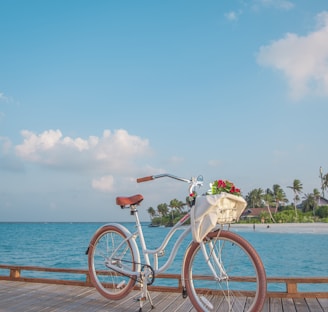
x=254 y=198
x=268 y=198
x=162 y=209
x=176 y=204
x=279 y=196
x=324 y=184
x=309 y=203
x=297 y=189
x=151 y=212
x=317 y=196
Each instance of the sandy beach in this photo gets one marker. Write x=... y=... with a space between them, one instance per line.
x=314 y=228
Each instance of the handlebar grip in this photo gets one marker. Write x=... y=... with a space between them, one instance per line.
x=144 y=179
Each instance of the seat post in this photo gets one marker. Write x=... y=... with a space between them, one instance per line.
x=141 y=236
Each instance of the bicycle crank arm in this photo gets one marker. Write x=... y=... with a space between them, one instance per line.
x=112 y=265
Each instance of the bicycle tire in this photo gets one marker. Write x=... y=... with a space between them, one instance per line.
x=239 y=260
x=104 y=245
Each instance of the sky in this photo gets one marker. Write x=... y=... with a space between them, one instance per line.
x=94 y=94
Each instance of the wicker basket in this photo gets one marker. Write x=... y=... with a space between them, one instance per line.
x=229 y=211
x=209 y=210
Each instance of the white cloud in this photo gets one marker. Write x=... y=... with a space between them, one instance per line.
x=113 y=151
x=232 y=15
x=104 y=184
x=302 y=59
x=2 y=97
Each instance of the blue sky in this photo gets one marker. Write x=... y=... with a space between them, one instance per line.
x=94 y=94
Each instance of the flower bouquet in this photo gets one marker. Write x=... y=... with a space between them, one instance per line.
x=219 y=186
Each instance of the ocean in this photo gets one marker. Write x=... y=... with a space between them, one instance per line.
x=288 y=250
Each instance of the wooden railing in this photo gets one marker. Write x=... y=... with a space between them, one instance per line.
x=16 y=273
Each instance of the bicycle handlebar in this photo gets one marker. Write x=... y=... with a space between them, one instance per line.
x=193 y=181
x=148 y=178
x=144 y=179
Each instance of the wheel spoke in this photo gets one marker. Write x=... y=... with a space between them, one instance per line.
x=111 y=249
x=224 y=273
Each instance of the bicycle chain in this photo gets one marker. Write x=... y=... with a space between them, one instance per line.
x=143 y=266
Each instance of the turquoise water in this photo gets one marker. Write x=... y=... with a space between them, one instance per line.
x=63 y=245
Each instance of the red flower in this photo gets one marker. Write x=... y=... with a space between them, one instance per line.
x=221 y=183
x=219 y=186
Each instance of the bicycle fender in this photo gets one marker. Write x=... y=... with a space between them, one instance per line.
x=183 y=265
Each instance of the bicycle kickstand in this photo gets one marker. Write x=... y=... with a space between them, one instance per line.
x=144 y=294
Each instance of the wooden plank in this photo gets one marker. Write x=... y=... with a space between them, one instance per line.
x=68 y=300
x=323 y=303
x=186 y=306
x=166 y=303
x=276 y=305
x=242 y=301
x=158 y=300
x=288 y=305
x=266 y=307
x=301 y=305
x=314 y=305
x=32 y=297
x=37 y=297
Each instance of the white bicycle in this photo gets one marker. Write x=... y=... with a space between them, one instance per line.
x=222 y=272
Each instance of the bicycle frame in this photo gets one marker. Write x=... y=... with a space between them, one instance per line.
x=158 y=251
x=131 y=237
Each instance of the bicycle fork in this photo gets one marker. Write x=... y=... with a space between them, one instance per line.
x=215 y=265
x=216 y=256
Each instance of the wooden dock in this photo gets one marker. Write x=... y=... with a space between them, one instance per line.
x=40 y=297
x=22 y=293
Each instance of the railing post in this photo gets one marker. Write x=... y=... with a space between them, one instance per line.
x=15 y=273
x=88 y=280
x=291 y=287
x=179 y=283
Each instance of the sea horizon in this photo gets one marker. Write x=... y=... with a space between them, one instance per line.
x=291 y=227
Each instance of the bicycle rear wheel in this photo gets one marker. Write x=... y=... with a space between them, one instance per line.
x=109 y=246
x=240 y=281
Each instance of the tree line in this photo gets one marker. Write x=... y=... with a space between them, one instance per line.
x=169 y=214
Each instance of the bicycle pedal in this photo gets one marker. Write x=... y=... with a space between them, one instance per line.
x=139 y=299
x=121 y=285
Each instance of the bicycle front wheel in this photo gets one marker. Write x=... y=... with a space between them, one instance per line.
x=225 y=273
x=109 y=246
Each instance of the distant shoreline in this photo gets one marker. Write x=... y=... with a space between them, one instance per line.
x=315 y=228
